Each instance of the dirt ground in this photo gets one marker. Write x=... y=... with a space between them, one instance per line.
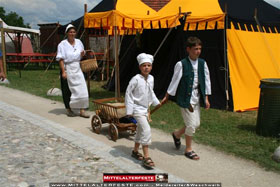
x=213 y=166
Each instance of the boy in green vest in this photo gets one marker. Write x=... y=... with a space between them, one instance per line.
x=190 y=83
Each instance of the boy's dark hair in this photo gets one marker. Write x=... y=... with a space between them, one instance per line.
x=193 y=41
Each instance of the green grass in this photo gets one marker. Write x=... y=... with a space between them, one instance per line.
x=230 y=132
x=38 y=82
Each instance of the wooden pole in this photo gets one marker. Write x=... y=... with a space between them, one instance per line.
x=257 y=21
x=226 y=59
x=87 y=47
x=117 y=72
x=3 y=47
x=85 y=7
x=108 y=57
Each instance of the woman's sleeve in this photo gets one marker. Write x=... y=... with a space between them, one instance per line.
x=60 y=53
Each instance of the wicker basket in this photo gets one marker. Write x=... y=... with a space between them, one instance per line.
x=90 y=63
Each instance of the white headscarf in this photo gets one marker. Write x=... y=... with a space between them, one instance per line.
x=69 y=26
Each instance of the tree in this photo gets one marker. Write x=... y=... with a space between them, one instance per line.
x=12 y=19
x=2 y=12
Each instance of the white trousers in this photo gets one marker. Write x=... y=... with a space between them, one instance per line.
x=191 y=119
x=143 y=131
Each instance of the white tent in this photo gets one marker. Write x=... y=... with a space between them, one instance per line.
x=10 y=32
x=17 y=29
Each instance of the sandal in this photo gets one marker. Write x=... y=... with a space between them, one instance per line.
x=192 y=155
x=148 y=163
x=84 y=115
x=177 y=141
x=70 y=113
x=137 y=155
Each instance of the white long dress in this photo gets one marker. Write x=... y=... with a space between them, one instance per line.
x=75 y=77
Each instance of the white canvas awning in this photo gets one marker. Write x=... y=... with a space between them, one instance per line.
x=17 y=29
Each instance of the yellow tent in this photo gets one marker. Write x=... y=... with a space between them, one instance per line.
x=251 y=48
x=137 y=15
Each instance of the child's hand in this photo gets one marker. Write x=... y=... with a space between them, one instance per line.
x=165 y=99
x=149 y=117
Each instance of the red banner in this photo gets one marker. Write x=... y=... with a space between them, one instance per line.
x=141 y=177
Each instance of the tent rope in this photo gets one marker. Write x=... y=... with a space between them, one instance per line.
x=63 y=38
x=165 y=37
x=169 y=31
x=50 y=36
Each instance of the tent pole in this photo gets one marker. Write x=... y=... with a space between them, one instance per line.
x=37 y=36
x=3 y=48
x=117 y=72
x=50 y=36
x=18 y=44
x=108 y=57
x=165 y=37
x=82 y=20
x=257 y=21
x=130 y=45
x=87 y=73
x=87 y=47
x=169 y=31
x=226 y=59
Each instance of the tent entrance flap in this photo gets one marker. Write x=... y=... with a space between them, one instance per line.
x=252 y=56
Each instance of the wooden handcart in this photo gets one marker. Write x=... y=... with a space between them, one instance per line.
x=110 y=110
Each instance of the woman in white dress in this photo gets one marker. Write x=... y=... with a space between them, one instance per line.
x=69 y=54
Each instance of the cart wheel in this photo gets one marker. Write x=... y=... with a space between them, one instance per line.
x=113 y=132
x=96 y=124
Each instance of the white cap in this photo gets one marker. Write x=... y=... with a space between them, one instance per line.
x=69 y=26
x=143 y=57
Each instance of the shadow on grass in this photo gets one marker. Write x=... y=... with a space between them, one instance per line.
x=250 y=128
x=101 y=95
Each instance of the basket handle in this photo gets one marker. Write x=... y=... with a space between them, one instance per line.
x=90 y=50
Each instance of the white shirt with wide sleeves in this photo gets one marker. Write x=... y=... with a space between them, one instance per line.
x=177 y=75
x=140 y=95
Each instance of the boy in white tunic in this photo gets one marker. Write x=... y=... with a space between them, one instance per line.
x=190 y=83
x=139 y=96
